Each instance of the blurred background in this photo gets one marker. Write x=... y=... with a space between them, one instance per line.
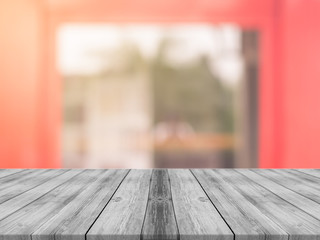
x=153 y=95
x=162 y=84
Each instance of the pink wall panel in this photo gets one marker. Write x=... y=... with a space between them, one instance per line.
x=19 y=81
x=301 y=80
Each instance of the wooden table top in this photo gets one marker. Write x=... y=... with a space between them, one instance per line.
x=159 y=204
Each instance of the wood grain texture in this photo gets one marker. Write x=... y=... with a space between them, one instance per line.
x=76 y=218
x=160 y=220
x=301 y=182
x=7 y=172
x=312 y=172
x=297 y=223
x=304 y=184
x=123 y=217
x=196 y=217
x=245 y=219
x=290 y=195
x=24 y=221
x=221 y=204
x=21 y=182
x=20 y=201
x=17 y=178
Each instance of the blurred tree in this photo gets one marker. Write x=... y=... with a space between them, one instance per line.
x=189 y=90
x=192 y=91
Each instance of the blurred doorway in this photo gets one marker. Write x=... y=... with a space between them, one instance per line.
x=139 y=96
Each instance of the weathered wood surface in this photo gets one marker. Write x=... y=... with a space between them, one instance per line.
x=160 y=220
x=173 y=204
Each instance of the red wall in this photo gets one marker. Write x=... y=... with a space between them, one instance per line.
x=19 y=82
x=300 y=84
x=30 y=91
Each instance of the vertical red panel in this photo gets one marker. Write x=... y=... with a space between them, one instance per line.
x=50 y=108
x=267 y=97
x=301 y=79
x=19 y=59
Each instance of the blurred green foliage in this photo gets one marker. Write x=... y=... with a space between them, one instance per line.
x=189 y=90
x=192 y=92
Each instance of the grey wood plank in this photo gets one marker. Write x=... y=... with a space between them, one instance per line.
x=312 y=172
x=8 y=172
x=11 y=179
x=22 y=223
x=160 y=204
x=21 y=201
x=245 y=219
x=23 y=181
x=197 y=218
x=160 y=220
x=298 y=182
x=306 y=176
x=297 y=223
x=300 y=201
x=124 y=215
x=76 y=218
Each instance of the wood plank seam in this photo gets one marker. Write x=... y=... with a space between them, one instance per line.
x=302 y=202
x=50 y=190
x=106 y=204
x=244 y=217
x=295 y=191
x=174 y=212
x=295 y=222
x=123 y=216
x=31 y=235
x=280 y=197
x=159 y=220
x=64 y=226
x=145 y=213
x=33 y=187
x=15 y=197
x=21 y=170
x=197 y=218
x=301 y=171
x=160 y=204
x=214 y=205
x=21 y=223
